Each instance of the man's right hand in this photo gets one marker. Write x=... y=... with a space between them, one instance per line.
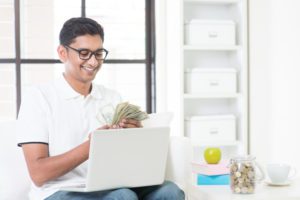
x=100 y=128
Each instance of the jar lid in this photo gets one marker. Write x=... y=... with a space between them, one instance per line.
x=241 y=158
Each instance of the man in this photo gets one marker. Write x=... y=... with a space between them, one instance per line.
x=55 y=121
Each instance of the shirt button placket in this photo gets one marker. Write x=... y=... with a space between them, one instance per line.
x=84 y=112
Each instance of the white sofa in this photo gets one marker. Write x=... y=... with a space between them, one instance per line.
x=14 y=178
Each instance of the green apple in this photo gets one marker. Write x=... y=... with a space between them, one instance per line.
x=212 y=155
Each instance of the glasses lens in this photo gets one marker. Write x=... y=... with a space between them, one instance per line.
x=84 y=54
x=100 y=54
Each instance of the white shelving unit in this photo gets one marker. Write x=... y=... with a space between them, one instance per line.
x=211 y=48
x=217 y=56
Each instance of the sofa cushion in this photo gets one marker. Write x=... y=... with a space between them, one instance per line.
x=179 y=162
x=14 y=178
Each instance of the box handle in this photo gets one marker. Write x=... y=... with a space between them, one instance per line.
x=212 y=34
x=214 y=83
x=214 y=131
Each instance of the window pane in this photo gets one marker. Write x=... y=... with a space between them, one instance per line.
x=40 y=25
x=61 y=14
x=124 y=26
x=127 y=79
x=39 y=73
x=7 y=29
x=7 y=92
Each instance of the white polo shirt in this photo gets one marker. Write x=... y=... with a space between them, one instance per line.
x=57 y=115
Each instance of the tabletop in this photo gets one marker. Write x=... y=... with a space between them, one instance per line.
x=263 y=191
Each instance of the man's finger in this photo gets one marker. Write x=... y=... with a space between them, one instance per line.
x=132 y=121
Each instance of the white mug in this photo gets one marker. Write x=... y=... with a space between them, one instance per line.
x=280 y=173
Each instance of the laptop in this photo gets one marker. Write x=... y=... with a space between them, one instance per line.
x=132 y=157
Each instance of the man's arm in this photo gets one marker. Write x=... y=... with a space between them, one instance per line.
x=43 y=168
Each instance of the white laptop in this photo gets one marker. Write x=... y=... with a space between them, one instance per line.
x=126 y=158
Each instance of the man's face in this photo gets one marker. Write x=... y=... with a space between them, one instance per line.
x=83 y=71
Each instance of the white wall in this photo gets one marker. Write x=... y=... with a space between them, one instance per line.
x=168 y=55
x=161 y=71
x=274 y=80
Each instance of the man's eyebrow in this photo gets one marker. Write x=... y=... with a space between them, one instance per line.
x=86 y=49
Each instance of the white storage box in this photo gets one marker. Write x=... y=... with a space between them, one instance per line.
x=211 y=128
x=210 y=32
x=211 y=81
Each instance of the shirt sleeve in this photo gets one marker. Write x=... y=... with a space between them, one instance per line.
x=32 y=118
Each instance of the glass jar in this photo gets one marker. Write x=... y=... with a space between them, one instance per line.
x=243 y=174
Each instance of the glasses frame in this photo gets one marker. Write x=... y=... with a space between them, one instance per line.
x=91 y=52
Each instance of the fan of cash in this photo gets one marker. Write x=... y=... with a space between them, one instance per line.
x=128 y=111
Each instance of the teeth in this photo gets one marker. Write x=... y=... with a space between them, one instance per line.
x=88 y=68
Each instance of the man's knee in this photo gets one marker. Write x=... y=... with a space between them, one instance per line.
x=122 y=194
x=168 y=191
x=172 y=191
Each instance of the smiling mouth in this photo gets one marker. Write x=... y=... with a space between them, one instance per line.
x=89 y=69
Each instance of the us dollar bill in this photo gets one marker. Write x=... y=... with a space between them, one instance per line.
x=125 y=110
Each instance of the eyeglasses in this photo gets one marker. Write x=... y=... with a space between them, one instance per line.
x=86 y=54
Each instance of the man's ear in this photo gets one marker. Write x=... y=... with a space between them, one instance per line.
x=62 y=53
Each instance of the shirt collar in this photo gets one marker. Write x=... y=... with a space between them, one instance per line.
x=96 y=92
x=68 y=92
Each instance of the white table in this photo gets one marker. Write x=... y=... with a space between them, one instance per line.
x=262 y=192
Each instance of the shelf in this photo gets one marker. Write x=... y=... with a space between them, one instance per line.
x=212 y=47
x=213 y=1
x=210 y=96
x=215 y=143
x=211 y=54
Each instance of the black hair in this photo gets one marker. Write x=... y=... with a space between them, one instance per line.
x=79 y=26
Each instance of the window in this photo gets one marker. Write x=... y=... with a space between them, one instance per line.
x=29 y=31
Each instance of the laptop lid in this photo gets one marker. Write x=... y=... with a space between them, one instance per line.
x=127 y=158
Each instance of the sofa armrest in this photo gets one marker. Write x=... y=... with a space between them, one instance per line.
x=14 y=178
x=179 y=162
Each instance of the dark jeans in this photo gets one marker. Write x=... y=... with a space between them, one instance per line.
x=166 y=191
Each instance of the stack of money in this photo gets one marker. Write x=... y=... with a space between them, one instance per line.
x=128 y=111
